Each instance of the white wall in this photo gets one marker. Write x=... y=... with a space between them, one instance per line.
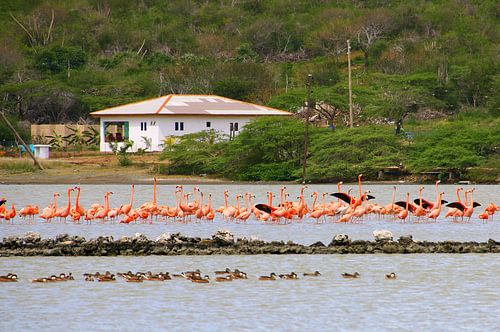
x=159 y=127
x=135 y=133
x=197 y=123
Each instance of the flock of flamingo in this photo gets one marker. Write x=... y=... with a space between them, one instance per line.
x=343 y=208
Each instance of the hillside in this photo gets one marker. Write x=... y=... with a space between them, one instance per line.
x=59 y=60
x=422 y=63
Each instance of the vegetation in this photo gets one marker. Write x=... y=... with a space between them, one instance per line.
x=413 y=61
x=271 y=149
x=120 y=150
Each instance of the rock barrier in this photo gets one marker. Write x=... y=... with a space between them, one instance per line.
x=224 y=243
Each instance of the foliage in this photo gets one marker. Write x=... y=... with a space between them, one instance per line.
x=266 y=147
x=234 y=88
x=58 y=58
x=6 y=135
x=76 y=138
x=271 y=149
x=342 y=154
x=56 y=141
x=91 y=136
x=120 y=149
x=195 y=153
x=147 y=142
x=456 y=144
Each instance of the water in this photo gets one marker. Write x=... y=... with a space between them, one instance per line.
x=432 y=292
x=304 y=233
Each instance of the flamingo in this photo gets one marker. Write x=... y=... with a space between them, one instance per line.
x=102 y=212
x=10 y=214
x=352 y=201
x=453 y=211
x=78 y=209
x=50 y=211
x=419 y=209
x=404 y=214
x=125 y=209
x=64 y=212
x=430 y=205
x=466 y=209
x=151 y=207
x=436 y=211
x=210 y=213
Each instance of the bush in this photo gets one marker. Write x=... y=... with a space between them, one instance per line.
x=59 y=58
x=195 y=153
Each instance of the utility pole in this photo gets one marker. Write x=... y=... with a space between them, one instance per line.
x=350 y=81
x=28 y=150
x=306 y=128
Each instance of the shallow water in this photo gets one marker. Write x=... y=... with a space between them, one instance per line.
x=306 y=232
x=432 y=292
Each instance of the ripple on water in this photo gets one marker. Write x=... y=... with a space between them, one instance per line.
x=438 y=291
x=303 y=233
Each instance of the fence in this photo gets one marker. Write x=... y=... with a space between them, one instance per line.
x=41 y=133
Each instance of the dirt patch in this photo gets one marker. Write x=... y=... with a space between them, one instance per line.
x=96 y=169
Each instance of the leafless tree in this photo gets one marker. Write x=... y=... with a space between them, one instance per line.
x=373 y=26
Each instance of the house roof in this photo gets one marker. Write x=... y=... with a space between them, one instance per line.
x=190 y=105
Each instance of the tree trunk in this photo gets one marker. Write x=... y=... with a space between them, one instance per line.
x=365 y=53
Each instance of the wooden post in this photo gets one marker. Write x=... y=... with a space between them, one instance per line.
x=306 y=129
x=28 y=150
x=350 y=81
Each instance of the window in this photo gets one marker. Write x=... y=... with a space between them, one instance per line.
x=231 y=127
x=209 y=124
x=179 y=126
x=115 y=131
x=144 y=126
x=236 y=126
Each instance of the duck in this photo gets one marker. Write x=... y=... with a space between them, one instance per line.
x=200 y=280
x=52 y=278
x=351 y=275
x=227 y=270
x=237 y=274
x=391 y=275
x=290 y=276
x=313 y=274
x=11 y=277
x=156 y=277
x=64 y=277
x=106 y=277
x=124 y=274
x=192 y=274
x=134 y=278
x=222 y=279
x=272 y=276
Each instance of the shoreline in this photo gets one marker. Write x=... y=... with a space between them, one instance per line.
x=104 y=169
x=224 y=243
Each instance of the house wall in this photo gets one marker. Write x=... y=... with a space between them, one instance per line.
x=135 y=132
x=159 y=127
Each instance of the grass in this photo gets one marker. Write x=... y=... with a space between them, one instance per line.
x=15 y=166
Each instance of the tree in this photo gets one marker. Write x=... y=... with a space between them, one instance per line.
x=268 y=148
x=196 y=153
x=373 y=25
x=234 y=88
x=59 y=58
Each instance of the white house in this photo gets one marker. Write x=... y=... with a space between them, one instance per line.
x=175 y=115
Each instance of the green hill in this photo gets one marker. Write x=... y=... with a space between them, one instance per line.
x=412 y=60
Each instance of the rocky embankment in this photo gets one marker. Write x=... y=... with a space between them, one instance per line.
x=224 y=243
